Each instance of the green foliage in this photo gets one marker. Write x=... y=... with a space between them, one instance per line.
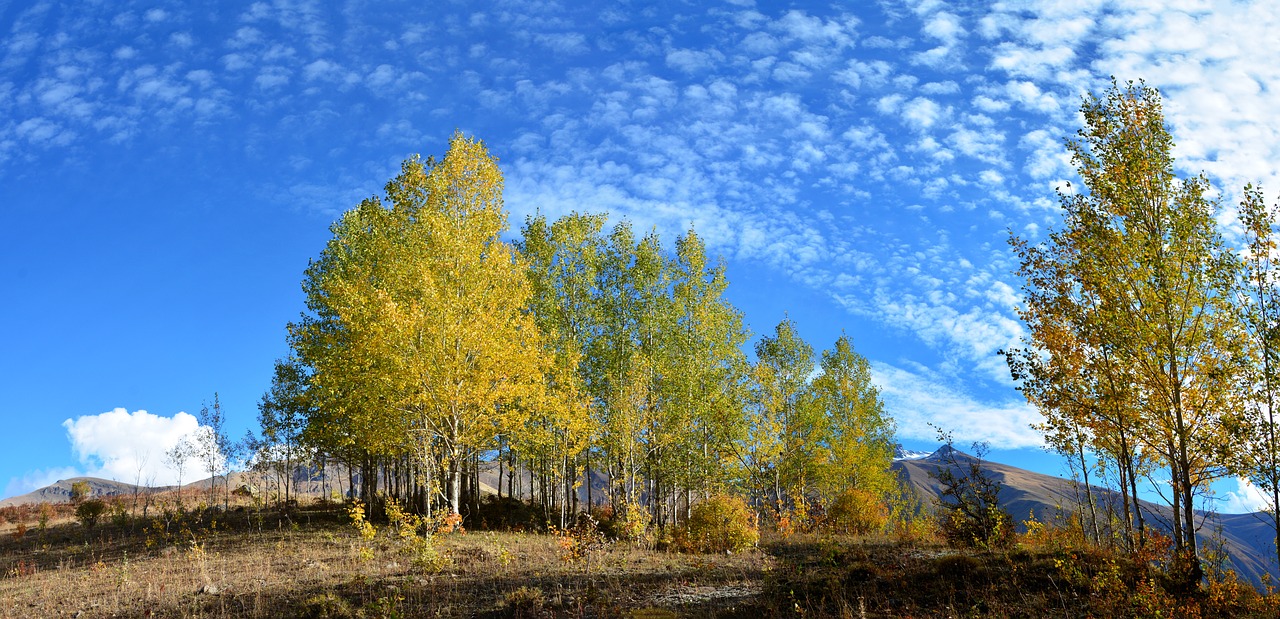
x=785 y=444
x=811 y=439
x=89 y=510
x=79 y=491
x=722 y=523
x=971 y=514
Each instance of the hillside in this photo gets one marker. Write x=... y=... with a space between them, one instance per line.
x=60 y=491
x=1247 y=538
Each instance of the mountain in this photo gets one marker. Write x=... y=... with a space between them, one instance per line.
x=60 y=491
x=906 y=454
x=1247 y=539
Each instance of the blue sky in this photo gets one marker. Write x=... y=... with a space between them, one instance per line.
x=167 y=170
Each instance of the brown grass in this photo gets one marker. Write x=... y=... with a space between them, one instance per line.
x=311 y=562
x=259 y=564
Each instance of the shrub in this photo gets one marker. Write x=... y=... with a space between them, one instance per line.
x=506 y=513
x=524 y=602
x=416 y=539
x=630 y=523
x=80 y=491
x=577 y=542
x=328 y=606
x=722 y=523
x=857 y=512
x=971 y=514
x=46 y=515
x=988 y=526
x=87 y=512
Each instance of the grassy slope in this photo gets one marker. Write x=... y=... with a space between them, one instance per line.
x=311 y=565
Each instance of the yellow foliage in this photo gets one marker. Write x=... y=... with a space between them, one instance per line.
x=722 y=523
x=857 y=512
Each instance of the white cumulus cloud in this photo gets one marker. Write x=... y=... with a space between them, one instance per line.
x=1246 y=498
x=119 y=444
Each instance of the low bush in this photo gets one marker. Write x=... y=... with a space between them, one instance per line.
x=627 y=523
x=88 y=511
x=722 y=523
x=857 y=512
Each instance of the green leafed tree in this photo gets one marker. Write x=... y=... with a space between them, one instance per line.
x=706 y=373
x=282 y=414
x=859 y=433
x=785 y=449
x=564 y=262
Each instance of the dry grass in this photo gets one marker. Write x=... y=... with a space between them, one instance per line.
x=247 y=564
x=834 y=576
x=312 y=563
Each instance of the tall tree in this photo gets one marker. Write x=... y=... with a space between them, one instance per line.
x=211 y=442
x=707 y=370
x=564 y=262
x=1255 y=452
x=283 y=413
x=859 y=434
x=622 y=361
x=1071 y=371
x=785 y=448
x=1145 y=249
x=176 y=458
x=418 y=340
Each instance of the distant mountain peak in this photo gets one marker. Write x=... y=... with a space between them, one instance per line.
x=899 y=453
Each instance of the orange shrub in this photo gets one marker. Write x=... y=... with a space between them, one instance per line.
x=857 y=512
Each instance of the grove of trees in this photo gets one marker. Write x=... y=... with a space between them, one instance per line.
x=431 y=347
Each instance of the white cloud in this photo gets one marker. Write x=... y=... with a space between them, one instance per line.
x=117 y=444
x=690 y=61
x=43 y=132
x=1246 y=498
x=564 y=42
x=382 y=76
x=921 y=112
x=915 y=401
x=34 y=480
x=944 y=27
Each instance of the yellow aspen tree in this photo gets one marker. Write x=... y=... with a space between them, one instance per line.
x=1254 y=451
x=1145 y=247
x=859 y=434
x=418 y=338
